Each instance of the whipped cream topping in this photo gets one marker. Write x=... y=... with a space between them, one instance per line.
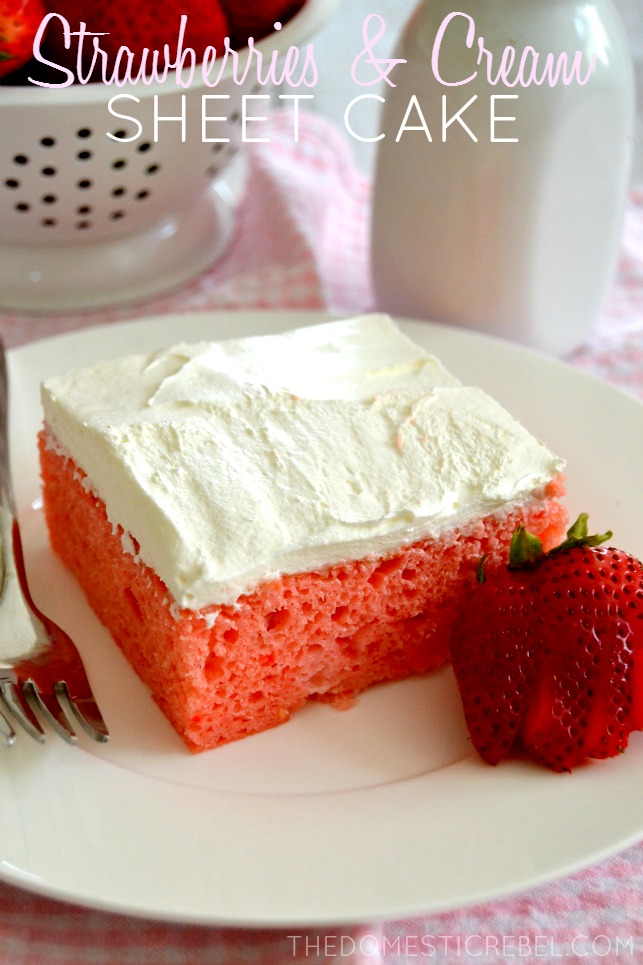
x=230 y=463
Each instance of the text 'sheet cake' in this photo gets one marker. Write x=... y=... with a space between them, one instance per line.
x=270 y=519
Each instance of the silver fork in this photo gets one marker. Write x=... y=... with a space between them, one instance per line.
x=47 y=676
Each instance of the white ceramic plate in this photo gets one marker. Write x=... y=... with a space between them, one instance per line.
x=381 y=811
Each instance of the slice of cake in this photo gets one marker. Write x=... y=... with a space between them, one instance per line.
x=272 y=519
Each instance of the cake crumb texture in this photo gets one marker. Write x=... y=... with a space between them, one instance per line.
x=220 y=674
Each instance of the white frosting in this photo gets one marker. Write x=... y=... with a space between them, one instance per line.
x=230 y=463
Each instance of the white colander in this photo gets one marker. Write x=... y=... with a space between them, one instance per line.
x=89 y=220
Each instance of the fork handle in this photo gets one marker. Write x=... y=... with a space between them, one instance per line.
x=17 y=609
x=11 y=554
x=7 y=500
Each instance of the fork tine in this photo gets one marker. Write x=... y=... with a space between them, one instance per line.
x=86 y=712
x=52 y=710
x=20 y=711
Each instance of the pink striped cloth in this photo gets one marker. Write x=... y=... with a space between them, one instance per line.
x=302 y=242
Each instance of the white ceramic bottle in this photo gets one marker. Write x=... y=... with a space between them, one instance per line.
x=515 y=232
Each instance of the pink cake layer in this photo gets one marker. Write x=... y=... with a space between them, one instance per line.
x=220 y=674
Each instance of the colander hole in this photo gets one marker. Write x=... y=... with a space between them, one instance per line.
x=84 y=155
x=49 y=199
x=23 y=206
x=84 y=132
x=120 y=163
x=83 y=209
x=84 y=184
x=12 y=183
x=47 y=141
x=218 y=147
x=48 y=172
x=120 y=134
x=117 y=215
x=144 y=147
x=81 y=225
x=21 y=159
x=141 y=195
x=235 y=117
x=152 y=168
x=118 y=192
x=48 y=222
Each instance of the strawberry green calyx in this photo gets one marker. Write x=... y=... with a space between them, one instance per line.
x=480 y=571
x=577 y=535
x=525 y=549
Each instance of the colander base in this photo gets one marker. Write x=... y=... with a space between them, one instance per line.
x=102 y=274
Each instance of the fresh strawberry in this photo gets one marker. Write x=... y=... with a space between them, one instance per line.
x=19 y=21
x=548 y=653
x=136 y=25
x=256 y=19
